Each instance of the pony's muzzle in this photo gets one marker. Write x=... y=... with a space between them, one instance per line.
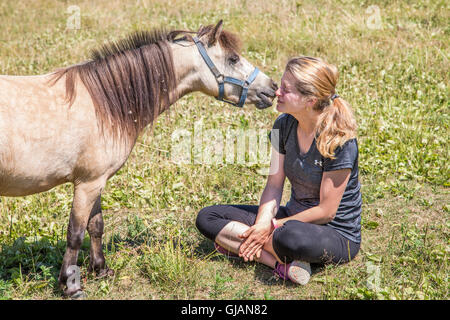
x=266 y=96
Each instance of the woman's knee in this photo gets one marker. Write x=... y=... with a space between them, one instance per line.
x=210 y=221
x=202 y=217
x=291 y=238
x=302 y=241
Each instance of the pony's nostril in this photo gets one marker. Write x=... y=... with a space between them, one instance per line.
x=271 y=93
x=274 y=86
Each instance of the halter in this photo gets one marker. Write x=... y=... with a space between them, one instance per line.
x=221 y=79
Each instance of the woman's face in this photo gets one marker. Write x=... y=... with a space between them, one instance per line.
x=289 y=99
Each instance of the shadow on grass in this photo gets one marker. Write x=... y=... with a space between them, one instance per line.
x=34 y=261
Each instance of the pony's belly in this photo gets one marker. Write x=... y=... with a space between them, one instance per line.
x=25 y=170
x=26 y=186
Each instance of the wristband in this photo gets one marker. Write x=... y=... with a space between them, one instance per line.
x=274 y=223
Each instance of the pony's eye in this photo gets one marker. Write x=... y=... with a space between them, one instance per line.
x=233 y=59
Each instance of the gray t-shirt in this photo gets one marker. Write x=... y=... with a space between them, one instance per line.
x=304 y=172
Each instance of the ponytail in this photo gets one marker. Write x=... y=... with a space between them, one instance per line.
x=336 y=125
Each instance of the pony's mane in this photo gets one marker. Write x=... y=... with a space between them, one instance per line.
x=132 y=81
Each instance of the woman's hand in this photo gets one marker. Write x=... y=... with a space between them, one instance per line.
x=255 y=238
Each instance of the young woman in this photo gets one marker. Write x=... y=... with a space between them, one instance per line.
x=313 y=145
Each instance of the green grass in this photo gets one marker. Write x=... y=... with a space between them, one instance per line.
x=396 y=79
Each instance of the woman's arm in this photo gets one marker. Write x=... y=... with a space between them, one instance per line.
x=256 y=235
x=331 y=190
x=271 y=196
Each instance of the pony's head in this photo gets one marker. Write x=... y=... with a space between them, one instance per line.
x=224 y=73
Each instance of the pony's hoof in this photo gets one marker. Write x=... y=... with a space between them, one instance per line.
x=74 y=293
x=79 y=295
x=105 y=273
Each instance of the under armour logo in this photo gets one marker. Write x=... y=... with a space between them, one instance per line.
x=318 y=163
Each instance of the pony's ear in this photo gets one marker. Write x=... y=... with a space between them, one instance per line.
x=213 y=37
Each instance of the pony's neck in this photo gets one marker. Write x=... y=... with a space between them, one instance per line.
x=184 y=60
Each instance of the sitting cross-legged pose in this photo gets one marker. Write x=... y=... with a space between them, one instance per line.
x=314 y=145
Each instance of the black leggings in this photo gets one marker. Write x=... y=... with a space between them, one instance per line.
x=295 y=240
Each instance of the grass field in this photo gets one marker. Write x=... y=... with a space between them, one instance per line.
x=394 y=70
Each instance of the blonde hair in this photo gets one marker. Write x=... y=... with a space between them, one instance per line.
x=316 y=78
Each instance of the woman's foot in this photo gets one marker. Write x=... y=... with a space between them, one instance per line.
x=297 y=271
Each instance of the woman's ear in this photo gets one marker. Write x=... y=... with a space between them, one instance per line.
x=311 y=101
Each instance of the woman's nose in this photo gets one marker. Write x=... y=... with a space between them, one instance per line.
x=278 y=92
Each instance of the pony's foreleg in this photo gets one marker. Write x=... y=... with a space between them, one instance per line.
x=85 y=196
x=95 y=227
